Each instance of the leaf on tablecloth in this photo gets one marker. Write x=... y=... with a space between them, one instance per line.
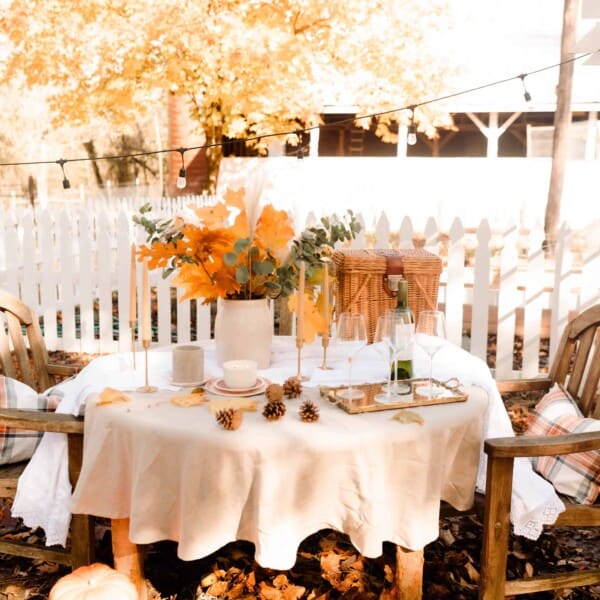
x=218 y=404
x=111 y=396
x=188 y=400
x=406 y=417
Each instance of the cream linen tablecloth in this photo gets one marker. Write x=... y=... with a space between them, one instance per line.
x=44 y=492
x=178 y=475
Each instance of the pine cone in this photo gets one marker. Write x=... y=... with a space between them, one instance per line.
x=292 y=388
x=274 y=410
x=229 y=418
x=309 y=411
x=274 y=392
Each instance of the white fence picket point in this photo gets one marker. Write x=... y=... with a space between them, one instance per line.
x=123 y=244
x=455 y=278
x=508 y=299
x=66 y=278
x=46 y=266
x=431 y=233
x=482 y=295
x=30 y=271
x=406 y=234
x=382 y=232
x=107 y=261
x=535 y=301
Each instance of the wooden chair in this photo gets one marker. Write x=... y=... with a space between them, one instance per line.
x=577 y=367
x=23 y=356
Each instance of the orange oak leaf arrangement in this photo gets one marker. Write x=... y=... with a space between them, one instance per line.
x=235 y=249
x=94 y=582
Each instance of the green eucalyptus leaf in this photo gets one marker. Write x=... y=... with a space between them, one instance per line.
x=264 y=267
x=242 y=275
x=241 y=244
x=230 y=259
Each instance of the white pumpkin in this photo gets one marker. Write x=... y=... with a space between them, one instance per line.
x=94 y=582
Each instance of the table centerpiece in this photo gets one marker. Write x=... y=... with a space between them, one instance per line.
x=241 y=254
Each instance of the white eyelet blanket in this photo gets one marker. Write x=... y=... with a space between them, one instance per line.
x=44 y=492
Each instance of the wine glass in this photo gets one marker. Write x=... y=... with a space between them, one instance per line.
x=350 y=338
x=430 y=335
x=396 y=330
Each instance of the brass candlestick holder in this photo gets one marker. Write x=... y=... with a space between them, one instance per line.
x=325 y=344
x=299 y=376
x=132 y=329
x=146 y=388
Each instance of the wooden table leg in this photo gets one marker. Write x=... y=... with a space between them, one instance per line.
x=409 y=574
x=126 y=556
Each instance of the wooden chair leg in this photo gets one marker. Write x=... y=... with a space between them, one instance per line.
x=496 y=528
x=82 y=541
x=126 y=556
x=409 y=574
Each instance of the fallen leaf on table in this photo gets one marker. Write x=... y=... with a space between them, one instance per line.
x=111 y=396
x=188 y=400
x=408 y=416
x=247 y=404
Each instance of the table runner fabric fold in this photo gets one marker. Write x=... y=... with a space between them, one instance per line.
x=44 y=495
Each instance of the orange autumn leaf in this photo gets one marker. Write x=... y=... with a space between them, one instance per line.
x=273 y=231
x=235 y=198
x=314 y=321
x=214 y=215
x=197 y=283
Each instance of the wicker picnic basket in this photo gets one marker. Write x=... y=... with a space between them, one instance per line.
x=362 y=281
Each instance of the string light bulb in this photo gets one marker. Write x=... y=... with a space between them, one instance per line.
x=300 y=151
x=411 y=137
x=526 y=93
x=181 y=180
x=65 y=182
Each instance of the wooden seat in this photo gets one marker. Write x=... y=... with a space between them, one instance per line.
x=577 y=367
x=23 y=356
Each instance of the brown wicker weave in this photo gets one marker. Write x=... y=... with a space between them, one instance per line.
x=360 y=282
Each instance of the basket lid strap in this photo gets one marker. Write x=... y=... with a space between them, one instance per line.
x=425 y=296
x=354 y=299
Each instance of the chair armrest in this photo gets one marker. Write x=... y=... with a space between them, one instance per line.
x=66 y=370
x=523 y=385
x=41 y=421
x=542 y=445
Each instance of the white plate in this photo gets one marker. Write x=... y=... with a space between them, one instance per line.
x=217 y=386
x=189 y=383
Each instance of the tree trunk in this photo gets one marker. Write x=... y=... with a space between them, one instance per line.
x=562 y=119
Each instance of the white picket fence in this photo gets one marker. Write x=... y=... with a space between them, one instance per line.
x=72 y=265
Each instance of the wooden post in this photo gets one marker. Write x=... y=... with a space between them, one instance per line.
x=562 y=119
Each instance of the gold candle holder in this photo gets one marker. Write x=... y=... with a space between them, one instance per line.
x=132 y=329
x=299 y=376
x=146 y=388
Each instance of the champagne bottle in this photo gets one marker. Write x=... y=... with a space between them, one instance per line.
x=404 y=363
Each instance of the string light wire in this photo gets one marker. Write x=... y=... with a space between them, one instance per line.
x=299 y=131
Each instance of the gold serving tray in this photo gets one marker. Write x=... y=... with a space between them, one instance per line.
x=453 y=393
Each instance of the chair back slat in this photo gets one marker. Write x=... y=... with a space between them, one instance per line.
x=21 y=342
x=7 y=365
x=577 y=363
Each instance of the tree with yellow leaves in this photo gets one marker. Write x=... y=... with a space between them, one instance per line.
x=247 y=68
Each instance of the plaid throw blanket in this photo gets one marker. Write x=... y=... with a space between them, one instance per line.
x=19 y=444
x=575 y=475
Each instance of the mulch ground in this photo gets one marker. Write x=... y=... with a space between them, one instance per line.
x=328 y=567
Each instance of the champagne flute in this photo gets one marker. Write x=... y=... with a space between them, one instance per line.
x=350 y=338
x=430 y=335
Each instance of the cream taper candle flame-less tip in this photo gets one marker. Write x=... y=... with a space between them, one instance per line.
x=146 y=330
x=133 y=287
x=300 y=307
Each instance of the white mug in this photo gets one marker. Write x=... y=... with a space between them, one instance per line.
x=188 y=365
x=240 y=374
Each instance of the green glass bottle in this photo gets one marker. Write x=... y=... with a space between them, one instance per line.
x=404 y=363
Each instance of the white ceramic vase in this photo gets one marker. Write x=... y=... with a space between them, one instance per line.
x=244 y=330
